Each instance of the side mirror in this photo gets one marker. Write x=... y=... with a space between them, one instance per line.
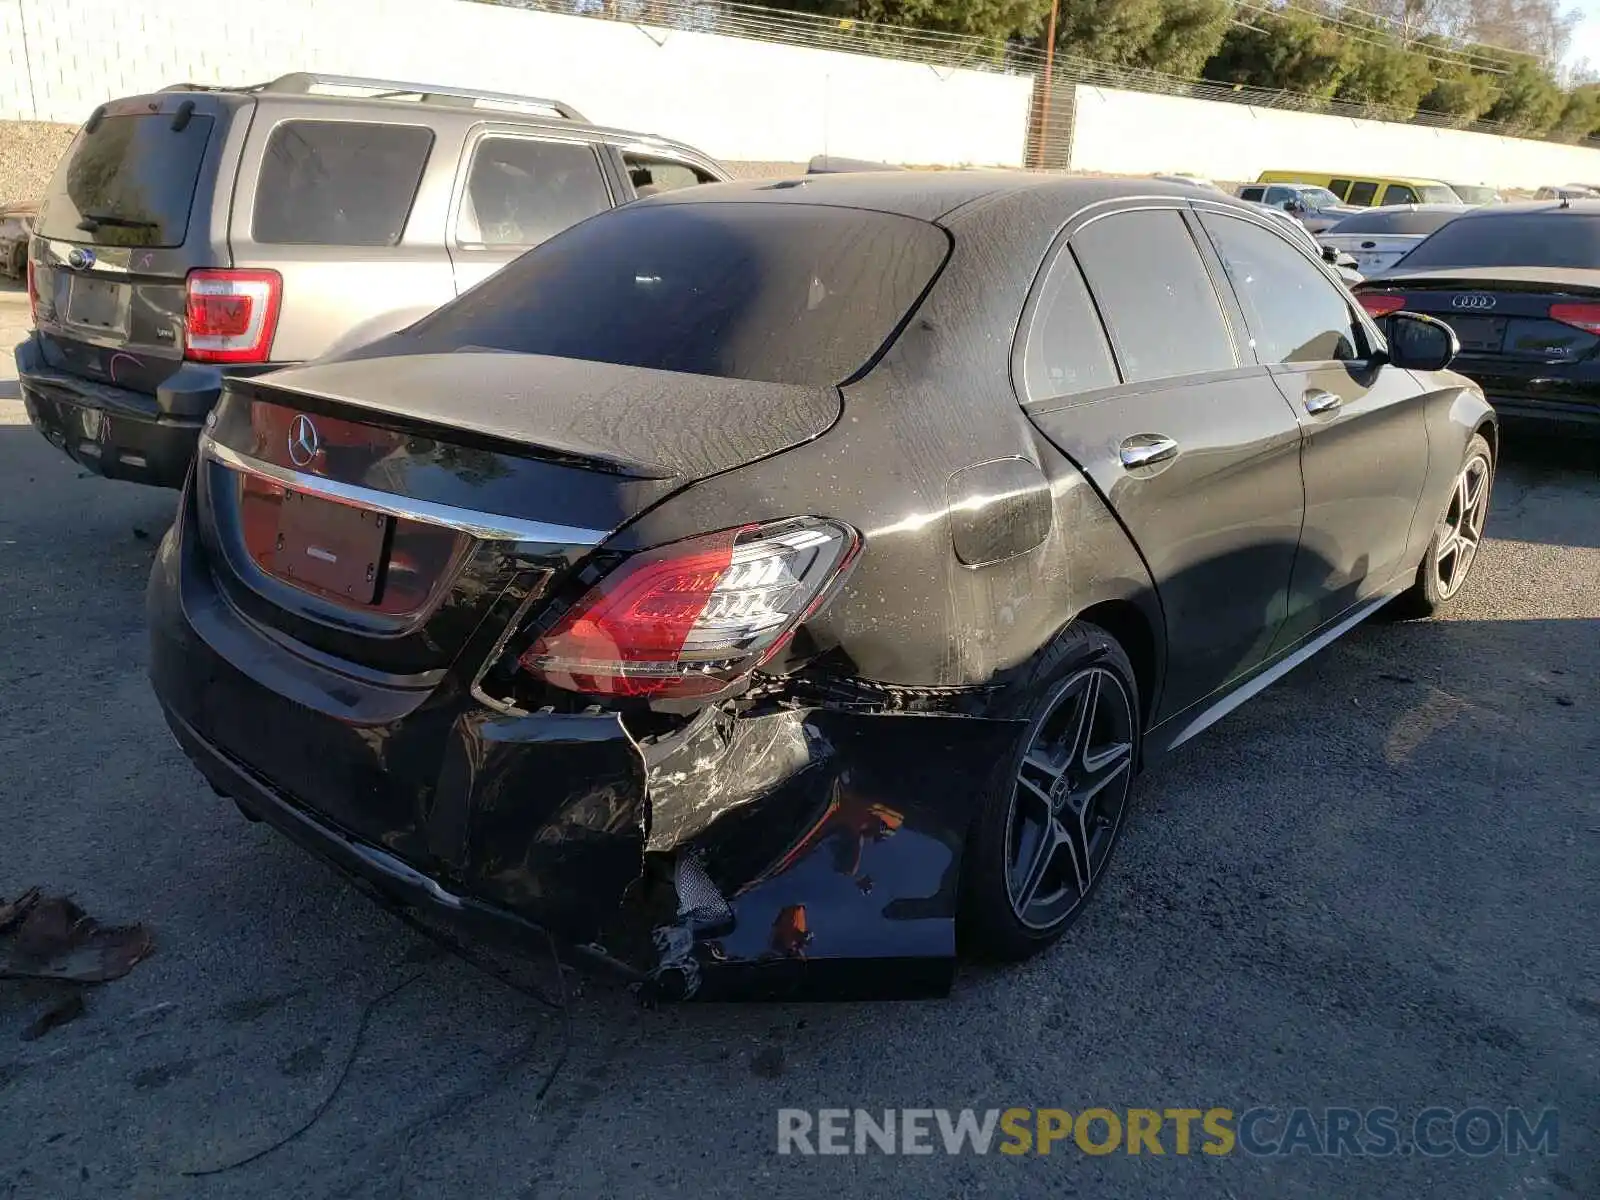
x=1331 y=256
x=1420 y=343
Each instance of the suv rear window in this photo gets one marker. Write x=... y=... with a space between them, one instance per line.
x=1516 y=240
x=339 y=183
x=130 y=182
x=782 y=293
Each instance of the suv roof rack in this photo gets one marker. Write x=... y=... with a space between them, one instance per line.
x=303 y=82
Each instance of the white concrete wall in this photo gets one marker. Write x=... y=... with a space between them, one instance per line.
x=732 y=98
x=1134 y=133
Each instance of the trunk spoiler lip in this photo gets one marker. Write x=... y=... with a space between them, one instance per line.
x=481 y=525
x=1521 y=279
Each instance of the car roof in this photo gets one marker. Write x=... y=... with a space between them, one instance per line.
x=932 y=195
x=1576 y=206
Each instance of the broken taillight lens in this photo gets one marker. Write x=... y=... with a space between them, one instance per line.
x=691 y=618
x=231 y=315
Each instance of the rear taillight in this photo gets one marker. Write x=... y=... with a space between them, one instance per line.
x=694 y=617
x=33 y=293
x=1379 y=305
x=230 y=316
x=1583 y=316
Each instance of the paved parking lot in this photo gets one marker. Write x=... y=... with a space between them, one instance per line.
x=1378 y=884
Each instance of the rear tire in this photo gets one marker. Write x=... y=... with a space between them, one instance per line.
x=1053 y=809
x=1453 y=548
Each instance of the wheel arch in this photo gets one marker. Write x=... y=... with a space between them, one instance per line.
x=1125 y=621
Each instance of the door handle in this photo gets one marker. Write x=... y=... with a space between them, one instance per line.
x=1318 y=402
x=1146 y=449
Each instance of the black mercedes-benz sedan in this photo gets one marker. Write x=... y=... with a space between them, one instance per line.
x=762 y=590
x=1520 y=285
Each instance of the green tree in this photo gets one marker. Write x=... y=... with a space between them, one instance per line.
x=1580 y=115
x=1529 y=102
x=1460 y=93
x=1190 y=32
x=1290 y=50
x=998 y=19
x=1379 y=72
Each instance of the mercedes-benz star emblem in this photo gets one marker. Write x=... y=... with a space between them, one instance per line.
x=1473 y=300
x=80 y=259
x=303 y=441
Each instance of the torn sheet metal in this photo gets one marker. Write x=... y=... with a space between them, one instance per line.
x=840 y=868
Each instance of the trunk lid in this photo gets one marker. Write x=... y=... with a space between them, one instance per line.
x=126 y=217
x=373 y=510
x=1503 y=312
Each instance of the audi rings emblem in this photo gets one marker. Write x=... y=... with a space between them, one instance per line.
x=1474 y=300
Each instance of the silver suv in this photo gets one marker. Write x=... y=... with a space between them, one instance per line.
x=198 y=231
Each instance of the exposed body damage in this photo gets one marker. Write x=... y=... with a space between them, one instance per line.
x=869 y=812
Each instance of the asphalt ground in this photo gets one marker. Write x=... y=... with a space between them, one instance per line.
x=1377 y=884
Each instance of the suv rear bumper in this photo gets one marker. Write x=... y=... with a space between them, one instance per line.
x=114 y=432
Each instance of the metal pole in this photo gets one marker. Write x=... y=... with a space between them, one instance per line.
x=1049 y=79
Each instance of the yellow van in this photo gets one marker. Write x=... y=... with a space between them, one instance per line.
x=1367 y=190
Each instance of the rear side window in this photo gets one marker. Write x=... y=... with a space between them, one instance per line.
x=1339 y=187
x=1155 y=295
x=521 y=191
x=778 y=292
x=1279 y=196
x=1251 y=193
x=339 y=183
x=129 y=182
x=652 y=175
x=1555 y=239
x=1362 y=193
x=1399 y=193
x=1066 y=350
x=1294 y=311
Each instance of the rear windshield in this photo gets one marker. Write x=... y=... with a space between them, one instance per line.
x=1521 y=240
x=1438 y=194
x=782 y=293
x=130 y=182
x=1396 y=221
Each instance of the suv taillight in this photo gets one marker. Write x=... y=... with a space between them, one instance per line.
x=230 y=316
x=33 y=293
x=692 y=618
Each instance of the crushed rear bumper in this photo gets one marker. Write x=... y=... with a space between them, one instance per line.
x=802 y=852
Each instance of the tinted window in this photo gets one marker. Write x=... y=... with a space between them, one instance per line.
x=1294 y=312
x=1398 y=193
x=1279 y=195
x=1066 y=351
x=1250 y=193
x=1155 y=295
x=1402 y=220
x=339 y=183
x=1362 y=193
x=521 y=191
x=1339 y=187
x=129 y=183
x=1555 y=239
x=651 y=175
x=787 y=293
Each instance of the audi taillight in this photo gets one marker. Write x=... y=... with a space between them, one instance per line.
x=1379 y=305
x=692 y=618
x=33 y=293
x=230 y=316
x=1583 y=316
